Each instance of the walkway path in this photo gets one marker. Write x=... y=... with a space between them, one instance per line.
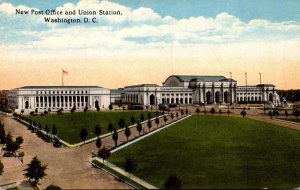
x=121 y=171
x=68 y=168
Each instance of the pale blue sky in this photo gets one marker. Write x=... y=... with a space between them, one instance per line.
x=273 y=10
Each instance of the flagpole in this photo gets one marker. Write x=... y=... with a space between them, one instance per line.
x=62 y=78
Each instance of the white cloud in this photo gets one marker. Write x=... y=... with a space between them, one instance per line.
x=138 y=32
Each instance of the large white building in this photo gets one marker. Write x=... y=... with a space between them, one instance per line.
x=30 y=98
x=189 y=89
x=176 y=89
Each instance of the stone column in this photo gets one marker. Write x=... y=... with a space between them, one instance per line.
x=80 y=106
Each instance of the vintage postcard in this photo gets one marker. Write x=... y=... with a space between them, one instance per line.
x=148 y=94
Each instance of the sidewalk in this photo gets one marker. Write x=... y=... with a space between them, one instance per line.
x=122 y=172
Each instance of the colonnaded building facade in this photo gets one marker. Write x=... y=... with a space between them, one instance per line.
x=41 y=98
x=176 y=89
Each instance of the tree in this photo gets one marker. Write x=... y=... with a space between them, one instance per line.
x=53 y=187
x=1 y=167
x=2 y=135
x=149 y=115
x=85 y=109
x=127 y=132
x=47 y=129
x=130 y=165
x=8 y=139
x=21 y=155
x=98 y=142
x=73 y=109
x=132 y=120
x=197 y=110
x=110 y=127
x=165 y=119
x=83 y=134
x=149 y=124
x=172 y=116
x=271 y=114
x=157 y=121
x=228 y=112
x=104 y=153
x=12 y=147
x=296 y=113
x=212 y=111
x=110 y=107
x=142 y=118
x=40 y=126
x=276 y=113
x=243 y=113
x=122 y=123
x=97 y=130
x=139 y=128
x=35 y=170
x=54 y=130
x=286 y=114
x=115 y=137
x=173 y=182
x=19 y=140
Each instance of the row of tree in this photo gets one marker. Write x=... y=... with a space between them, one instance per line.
x=11 y=145
x=276 y=113
x=212 y=111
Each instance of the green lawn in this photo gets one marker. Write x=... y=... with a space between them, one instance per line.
x=69 y=125
x=218 y=152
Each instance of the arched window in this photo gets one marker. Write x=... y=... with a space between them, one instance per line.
x=26 y=105
x=208 y=97
x=226 y=97
x=152 y=99
x=217 y=97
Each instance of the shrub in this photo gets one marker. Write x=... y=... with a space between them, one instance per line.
x=53 y=187
x=173 y=182
x=243 y=113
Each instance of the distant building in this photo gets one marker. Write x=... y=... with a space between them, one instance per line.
x=189 y=89
x=116 y=95
x=176 y=89
x=41 y=98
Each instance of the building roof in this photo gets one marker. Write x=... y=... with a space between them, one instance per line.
x=188 y=78
x=117 y=91
x=262 y=85
x=142 y=85
x=43 y=87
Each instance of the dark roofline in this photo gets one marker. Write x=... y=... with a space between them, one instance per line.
x=142 y=85
x=196 y=76
x=259 y=85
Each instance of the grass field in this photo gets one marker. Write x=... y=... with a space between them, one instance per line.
x=69 y=125
x=218 y=152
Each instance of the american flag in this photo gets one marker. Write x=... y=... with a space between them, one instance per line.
x=65 y=72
